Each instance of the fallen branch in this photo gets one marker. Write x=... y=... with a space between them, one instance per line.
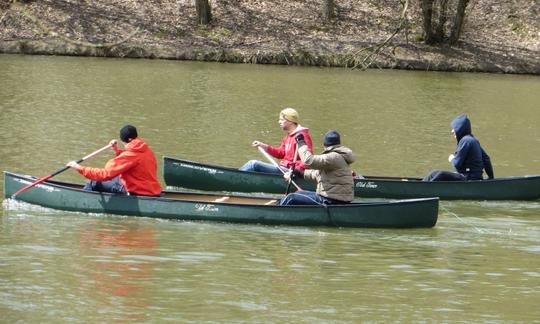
x=8 y=7
x=51 y=32
x=5 y=14
x=370 y=58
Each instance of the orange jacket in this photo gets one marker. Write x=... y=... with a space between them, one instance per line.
x=136 y=166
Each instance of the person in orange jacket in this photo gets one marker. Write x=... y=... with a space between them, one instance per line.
x=132 y=171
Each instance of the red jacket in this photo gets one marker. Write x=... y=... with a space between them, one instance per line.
x=136 y=166
x=286 y=150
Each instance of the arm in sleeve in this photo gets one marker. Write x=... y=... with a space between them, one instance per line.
x=309 y=142
x=311 y=174
x=460 y=155
x=487 y=164
x=119 y=151
x=113 y=168
x=277 y=152
x=319 y=162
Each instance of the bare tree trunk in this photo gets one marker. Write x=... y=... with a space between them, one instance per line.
x=204 y=12
x=328 y=9
x=427 y=12
x=458 y=21
x=441 y=21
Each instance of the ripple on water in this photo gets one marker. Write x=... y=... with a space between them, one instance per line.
x=44 y=249
x=400 y=266
x=258 y=260
x=532 y=248
x=532 y=274
x=245 y=305
x=509 y=204
x=197 y=257
x=439 y=270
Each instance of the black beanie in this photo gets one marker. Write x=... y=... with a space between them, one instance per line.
x=331 y=138
x=128 y=133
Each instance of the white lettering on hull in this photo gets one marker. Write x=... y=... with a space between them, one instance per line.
x=204 y=169
x=206 y=208
x=366 y=184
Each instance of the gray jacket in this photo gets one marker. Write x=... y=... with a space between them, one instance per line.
x=331 y=170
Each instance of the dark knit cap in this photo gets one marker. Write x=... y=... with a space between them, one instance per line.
x=331 y=138
x=127 y=133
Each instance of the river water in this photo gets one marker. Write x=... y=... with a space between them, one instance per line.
x=481 y=262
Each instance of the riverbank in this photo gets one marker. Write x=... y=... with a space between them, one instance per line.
x=498 y=37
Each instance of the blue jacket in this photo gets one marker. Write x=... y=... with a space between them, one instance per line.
x=469 y=159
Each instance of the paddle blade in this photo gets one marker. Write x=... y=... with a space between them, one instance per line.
x=33 y=184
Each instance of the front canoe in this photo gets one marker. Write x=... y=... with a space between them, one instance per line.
x=188 y=174
x=225 y=208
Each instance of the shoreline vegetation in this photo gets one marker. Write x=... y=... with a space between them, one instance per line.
x=497 y=36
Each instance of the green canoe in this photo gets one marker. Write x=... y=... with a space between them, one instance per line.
x=188 y=174
x=226 y=208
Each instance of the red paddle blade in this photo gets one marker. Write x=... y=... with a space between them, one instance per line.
x=38 y=181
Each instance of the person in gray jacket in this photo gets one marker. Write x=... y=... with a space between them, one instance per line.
x=331 y=170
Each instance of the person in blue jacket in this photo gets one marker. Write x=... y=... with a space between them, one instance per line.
x=470 y=160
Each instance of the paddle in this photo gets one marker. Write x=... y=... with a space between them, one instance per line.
x=45 y=178
x=292 y=170
x=269 y=158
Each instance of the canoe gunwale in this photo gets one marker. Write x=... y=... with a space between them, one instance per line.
x=367 y=177
x=72 y=186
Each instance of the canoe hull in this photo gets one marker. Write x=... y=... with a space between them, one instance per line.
x=509 y=188
x=69 y=197
x=188 y=174
x=192 y=175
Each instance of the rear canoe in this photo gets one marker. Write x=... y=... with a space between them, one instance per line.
x=225 y=208
x=188 y=174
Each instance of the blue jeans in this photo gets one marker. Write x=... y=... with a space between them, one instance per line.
x=258 y=166
x=442 y=175
x=113 y=186
x=308 y=198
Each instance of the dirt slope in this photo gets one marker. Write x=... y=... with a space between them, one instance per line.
x=499 y=35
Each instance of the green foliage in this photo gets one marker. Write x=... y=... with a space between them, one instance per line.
x=215 y=34
x=25 y=46
x=515 y=24
x=169 y=33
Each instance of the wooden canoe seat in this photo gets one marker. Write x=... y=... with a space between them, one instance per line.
x=222 y=199
x=271 y=202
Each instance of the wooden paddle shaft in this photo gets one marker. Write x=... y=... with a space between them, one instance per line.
x=271 y=159
x=47 y=177
x=292 y=170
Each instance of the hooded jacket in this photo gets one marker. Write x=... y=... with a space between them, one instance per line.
x=286 y=150
x=331 y=170
x=136 y=165
x=469 y=159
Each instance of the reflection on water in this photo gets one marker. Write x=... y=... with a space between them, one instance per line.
x=117 y=262
x=141 y=269
x=480 y=263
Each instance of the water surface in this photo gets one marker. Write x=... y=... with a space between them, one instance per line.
x=480 y=263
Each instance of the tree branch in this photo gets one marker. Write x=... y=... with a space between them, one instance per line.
x=370 y=58
x=51 y=32
x=8 y=7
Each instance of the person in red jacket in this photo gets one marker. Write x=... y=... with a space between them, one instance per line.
x=132 y=171
x=288 y=121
